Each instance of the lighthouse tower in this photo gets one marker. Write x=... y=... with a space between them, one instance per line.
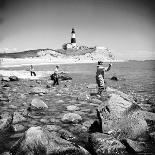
x=73 y=39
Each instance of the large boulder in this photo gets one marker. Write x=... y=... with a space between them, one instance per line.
x=38 y=104
x=127 y=97
x=121 y=118
x=105 y=144
x=71 y=118
x=38 y=140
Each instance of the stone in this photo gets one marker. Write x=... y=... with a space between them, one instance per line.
x=44 y=121
x=17 y=117
x=5 y=78
x=126 y=97
x=38 y=90
x=64 y=76
x=152 y=135
x=66 y=134
x=105 y=144
x=53 y=120
x=48 y=86
x=38 y=103
x=114 y=78
x=6 y=85
x=14 y=78
x=12 y=106
x=59 y=101
x=72 y=108
x=18 y=127
x=133 y=146
x=97 y=101
x=37 y=140
x=53 y=127
x=5 y=153
x=5 y=123
x=121 y=118
x=83 y=96
x=71 y=118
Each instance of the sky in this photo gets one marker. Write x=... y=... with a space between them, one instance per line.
x=125 y=26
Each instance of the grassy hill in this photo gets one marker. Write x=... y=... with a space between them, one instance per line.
x=24 y=54
x=34 y=53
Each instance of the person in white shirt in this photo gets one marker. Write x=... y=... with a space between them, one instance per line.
x=100 y=76
x=32 y=71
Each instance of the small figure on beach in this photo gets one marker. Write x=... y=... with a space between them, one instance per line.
x=56 y=76
x=32 y=71
x=100 y=76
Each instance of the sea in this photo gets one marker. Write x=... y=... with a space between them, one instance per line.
x=134 y=77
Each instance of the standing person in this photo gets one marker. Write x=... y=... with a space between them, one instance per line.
x=56 y=76
x=100 y=76
x=32 y=71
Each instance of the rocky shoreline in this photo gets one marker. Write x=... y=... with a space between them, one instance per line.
x=36 y=118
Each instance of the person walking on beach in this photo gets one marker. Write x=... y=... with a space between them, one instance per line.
x=56 y=76
x=100 y=76
x=32 y=71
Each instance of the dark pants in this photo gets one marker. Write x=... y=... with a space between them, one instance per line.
x=101 y=87
x=33 y=73
x=55 y=81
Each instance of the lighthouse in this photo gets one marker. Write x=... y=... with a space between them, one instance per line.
x=73 y=38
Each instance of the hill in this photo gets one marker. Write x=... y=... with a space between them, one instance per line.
x=82 y=53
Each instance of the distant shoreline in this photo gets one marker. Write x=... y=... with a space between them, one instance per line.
x=9 y=62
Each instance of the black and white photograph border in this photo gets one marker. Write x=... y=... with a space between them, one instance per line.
x=77 y=77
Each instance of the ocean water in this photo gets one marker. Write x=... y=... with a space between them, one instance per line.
x=135 y=77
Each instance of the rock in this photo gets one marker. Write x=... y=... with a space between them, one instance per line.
x=38 y=140
x=44 y=121
x=59 y=102
x=14 y=78
x=66 y=134
x=64 y=76
x=72 y=108
x=5 y=78
x=12 y=106
x=5 y=131
x=71 y=118
x=114 y=78
x=53 y=127
x=97 y=101
x=38 y=103
x=126 y=97
x=105 y=144
x=6 y=85
x=83 y=96
x=152 y=135
x=133 y=146
x=5 y=123
x=38 y=90
x=53 y=120
x=18 y=127
x=5 y=153
x=17 y=117
x=121 y=118
x=48 y=86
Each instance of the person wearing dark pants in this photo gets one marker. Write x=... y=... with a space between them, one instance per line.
x=32 y=71
x=56 y=76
